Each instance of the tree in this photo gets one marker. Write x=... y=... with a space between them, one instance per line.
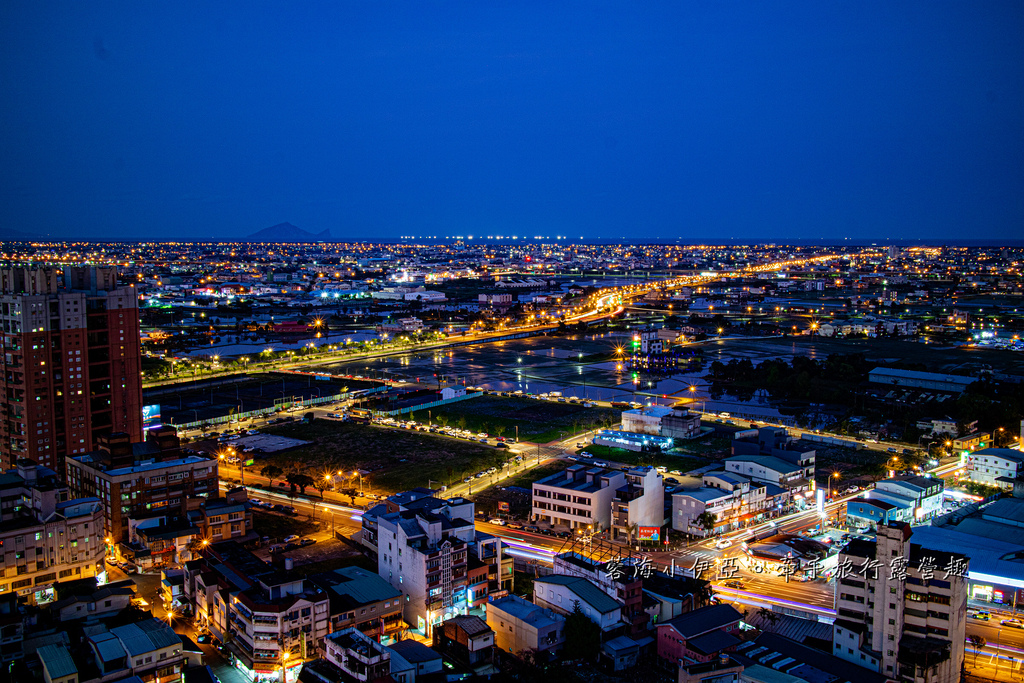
x=977 y=642
x=271 y=472
x=582 y=636
x=771 y=617
x=706 y=521
x=300 y=480
x=321 y=485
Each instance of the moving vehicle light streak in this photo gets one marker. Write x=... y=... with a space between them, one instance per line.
x=767 y=599
x=528 y=554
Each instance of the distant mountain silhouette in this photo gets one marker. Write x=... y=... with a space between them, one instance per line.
x=286 y=232
x=8 y=235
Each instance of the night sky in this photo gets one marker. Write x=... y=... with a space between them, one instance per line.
x=694 y=120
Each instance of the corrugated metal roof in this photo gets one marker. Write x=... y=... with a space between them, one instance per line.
x=363 y=586
x=108 y=646
x=145 y=636
x=57 y=661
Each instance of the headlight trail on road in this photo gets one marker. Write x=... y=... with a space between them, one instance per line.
x=526 y=547
x=824 y=611
x=529 y=554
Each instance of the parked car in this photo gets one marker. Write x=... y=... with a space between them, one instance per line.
x=307 y=541
x=291 y=539
x=205 y=638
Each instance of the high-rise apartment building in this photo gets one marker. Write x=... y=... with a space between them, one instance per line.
x=901 y=608
x=70 y=367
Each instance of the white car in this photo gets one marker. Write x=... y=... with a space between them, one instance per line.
x=723 y=543
x=291 y=539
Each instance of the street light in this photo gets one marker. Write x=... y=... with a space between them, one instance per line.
x=284 y=665
x=834 y=475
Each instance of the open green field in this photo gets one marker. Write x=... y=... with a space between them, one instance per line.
x=397 y=459
x=538 y=421
x=519 y=501
x=683 y=463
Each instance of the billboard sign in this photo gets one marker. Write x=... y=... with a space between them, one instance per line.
x=150 y=417
x=650 y=533
x=502 y=506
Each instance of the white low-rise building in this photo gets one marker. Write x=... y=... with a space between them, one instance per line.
x=579 y=497
x=640 y=502
x=921 y=495
x=560 y=593
x=644 y=420
x=995 y=466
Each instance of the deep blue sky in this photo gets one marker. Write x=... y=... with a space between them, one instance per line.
x=751 y=120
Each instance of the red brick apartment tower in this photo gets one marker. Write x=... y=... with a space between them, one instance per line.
x=70 y=366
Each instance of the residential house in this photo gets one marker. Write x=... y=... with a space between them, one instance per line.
x=466 y=639
x=45 y=535
x=699 y=636
x=562 y=593
x=521 y=626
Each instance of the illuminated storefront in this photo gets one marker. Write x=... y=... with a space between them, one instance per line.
x=269 y=672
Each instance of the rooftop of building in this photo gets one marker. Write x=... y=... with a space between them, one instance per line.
x=916 y=374
x=705 y=494
x=94 y=461
x=808 y=663
x=583 y=484
x=526 y=611
x=995 y=559
x=471 y=625
x=731 y=477
x=914 y=480
x=584 y=589
x=769 y=461
x=355 y=586
x=57 y=661
x=650 y=411
x=414 y=651
x=145 y=636
x=1005 y=453
x=703 y=620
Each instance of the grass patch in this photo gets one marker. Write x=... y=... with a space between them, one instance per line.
x=526 y=479
x=397 y=459
x=519 y=502
x=683 y=463
x=278 y=527
x=538 y=421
